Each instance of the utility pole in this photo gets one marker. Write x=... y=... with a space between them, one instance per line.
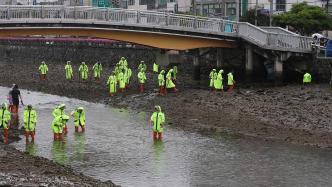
x=271 y=11
x=237 y=10
x=256 y=12
x=193 y=2
x=327 y=6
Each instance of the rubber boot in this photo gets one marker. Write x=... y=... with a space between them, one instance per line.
x=161 y=90
x=164 y=90
x=111 y=94
x=65 y=130
x=26 y=136
x=175 y=90
x=141 y=88
x=231 y=88
x=155 y=136
x=5 y=134
x=55 y=136
x=32 y=137
x=60 y=136
x=43 y=77
x=160 y=136
x=76 y=129
x=83 y=129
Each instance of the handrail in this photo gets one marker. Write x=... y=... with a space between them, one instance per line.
x=278 y=30
x=152 y=19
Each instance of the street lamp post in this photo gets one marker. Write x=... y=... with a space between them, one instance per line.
x=237 y=10
x=327 y=6
x=271 y=11
x=194 y=7
x=256 y=12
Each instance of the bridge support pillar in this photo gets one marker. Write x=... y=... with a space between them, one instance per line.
x=197 y=68
x=278 y=70
x=162 y=58
x=219 y=57
x=279 y=66
x=249 y=63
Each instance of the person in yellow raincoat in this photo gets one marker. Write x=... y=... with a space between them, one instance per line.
x=169 y=81
x=29 y=122
x=122 y=81
x=57 y=126
x=112 y=83
x=141 y=79
x=79 y=118
x=142 y=66
x=59 y=111
x=155 y=68
x=97 y=69
x=218 y=85
x=128 y=74
x=123 y=63
x=43 y=69
x=69 y=71
x=84 y=71
x=5 y=117
x=230 y=81
x=212 y=76
x=161 y=82
x=158 y=121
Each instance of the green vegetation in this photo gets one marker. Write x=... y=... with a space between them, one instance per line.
x=305 y=18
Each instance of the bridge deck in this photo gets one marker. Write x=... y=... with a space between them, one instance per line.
x=156 y=22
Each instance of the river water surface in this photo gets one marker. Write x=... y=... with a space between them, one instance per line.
x=117 y=146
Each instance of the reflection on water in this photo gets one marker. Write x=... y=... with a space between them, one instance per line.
x=31 y=149
x=158 y=147
x=118 y=146
x=59 y=154
x=79 y=147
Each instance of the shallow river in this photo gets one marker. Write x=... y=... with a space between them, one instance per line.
x=117 y=146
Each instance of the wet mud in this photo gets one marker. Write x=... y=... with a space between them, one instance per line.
x=21 y=169
x=291 y=113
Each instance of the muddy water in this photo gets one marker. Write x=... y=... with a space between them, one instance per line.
x=117 y=146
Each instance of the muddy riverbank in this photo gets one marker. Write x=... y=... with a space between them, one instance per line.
x=20 y=169
x=288 y=113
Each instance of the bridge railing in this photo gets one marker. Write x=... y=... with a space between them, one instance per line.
x=118 y=16
x=278 y=30
x=152 y=19
x=287 y=41
x=252 y=33
x=276 y=41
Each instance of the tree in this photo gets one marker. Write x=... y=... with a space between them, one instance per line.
x=305 y=18
x=262 y=19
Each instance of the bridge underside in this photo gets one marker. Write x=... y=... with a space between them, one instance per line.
x=153 y=39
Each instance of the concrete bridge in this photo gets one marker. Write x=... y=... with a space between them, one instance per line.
x=156 y=29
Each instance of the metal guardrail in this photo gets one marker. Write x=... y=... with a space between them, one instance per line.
x=65 y=14
x=278 y=30
x=274 y=41
x=151 y=19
